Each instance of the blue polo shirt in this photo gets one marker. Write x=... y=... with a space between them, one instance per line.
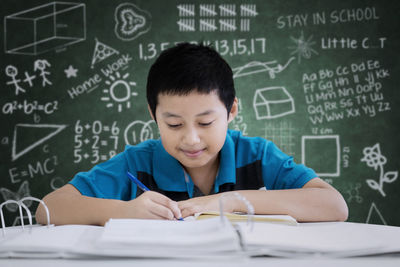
x=245 y=163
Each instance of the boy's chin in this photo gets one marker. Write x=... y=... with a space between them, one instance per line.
x=193 y=163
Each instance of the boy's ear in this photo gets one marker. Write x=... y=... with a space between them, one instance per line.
x=151 y=113
x=234 y=110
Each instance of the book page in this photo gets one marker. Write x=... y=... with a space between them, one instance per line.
x=43 y=239
x=332 y=237
x=239 y=217
x=203 y=235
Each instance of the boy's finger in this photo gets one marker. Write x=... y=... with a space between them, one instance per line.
x=168 y=203
x=161 y=212
x=175 y=209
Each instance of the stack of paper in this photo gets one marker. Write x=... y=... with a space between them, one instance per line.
x=337 y=239
x=160 y=238
x=44 y=241
x=123 y=238
x=199 y=239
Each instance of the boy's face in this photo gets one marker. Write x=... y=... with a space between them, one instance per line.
x=193 y=127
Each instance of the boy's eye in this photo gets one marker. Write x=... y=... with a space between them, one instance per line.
x=174 y=125
x=206 y=124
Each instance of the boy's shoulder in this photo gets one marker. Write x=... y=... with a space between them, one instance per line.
x=239 y=139
x=147 y=146
x=246 y=147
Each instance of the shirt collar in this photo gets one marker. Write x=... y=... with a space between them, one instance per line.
x=167 y=171
x=227 y=166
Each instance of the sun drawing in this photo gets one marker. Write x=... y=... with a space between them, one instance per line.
x=119 y=92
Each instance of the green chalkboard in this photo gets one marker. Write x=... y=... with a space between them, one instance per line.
x=319 y=78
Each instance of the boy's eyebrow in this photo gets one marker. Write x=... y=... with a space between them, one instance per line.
x=207 y=112
x=172 y=115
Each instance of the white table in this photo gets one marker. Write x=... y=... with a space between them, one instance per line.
x=380 y=261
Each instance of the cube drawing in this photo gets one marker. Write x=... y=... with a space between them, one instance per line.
x=43 y=28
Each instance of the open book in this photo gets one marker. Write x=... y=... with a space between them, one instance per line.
x=198 y=239
x=213 y=237
x=240 y=217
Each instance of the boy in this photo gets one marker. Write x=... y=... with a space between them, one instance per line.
x=191 y=97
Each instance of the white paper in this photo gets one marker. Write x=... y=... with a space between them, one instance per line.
x=335 y=238
x=209 y=235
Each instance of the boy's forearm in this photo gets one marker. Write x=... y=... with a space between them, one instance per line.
x=67 y=208
x=305 y=204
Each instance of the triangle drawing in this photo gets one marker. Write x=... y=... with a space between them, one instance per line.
x=101 y=52
x=40 y=132
x=375 y=216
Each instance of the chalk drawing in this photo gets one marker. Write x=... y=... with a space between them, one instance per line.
x=42 y=65
x=186 y=25
x=23 y=191
x=208 y=20
x=302 y=48
x=25 y=127
x=29 y=78
x=353 y=192
x=186 y=10
x=119 y=91
x=207 y=25
x=374 y=210
x=245 y=25
x=282 y=135
x=65 y=25
x=70 y=72
x=56 y=183
x=131 y=21
x=227 y=10
x=374 y=159
x=227 y=25
x=206 y=10
x=330 y=165
x=248 y=10
x=102 y=52
x=271 y=67
x=139 y=131
x=238 y=122
x=272 y=102
x=12 y=72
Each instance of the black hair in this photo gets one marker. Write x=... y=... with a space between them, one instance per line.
x=188 y=67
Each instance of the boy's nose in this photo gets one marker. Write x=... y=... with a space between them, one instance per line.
x=191 y=137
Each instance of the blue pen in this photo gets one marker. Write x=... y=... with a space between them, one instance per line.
x=137 y=182
x=141 y=185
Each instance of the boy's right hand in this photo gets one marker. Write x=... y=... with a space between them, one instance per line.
x=152 y=205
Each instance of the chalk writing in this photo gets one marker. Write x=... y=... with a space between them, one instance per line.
x=95 y=142
x=346 y=15
x=341 y=93
x=40 y=168
x=235 y=47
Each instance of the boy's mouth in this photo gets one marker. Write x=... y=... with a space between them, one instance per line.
x=193 y=153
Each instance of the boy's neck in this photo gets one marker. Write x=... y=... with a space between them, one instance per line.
x=204 y=177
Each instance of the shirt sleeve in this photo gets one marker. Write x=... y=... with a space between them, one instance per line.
x=106 y=180
x=280 y=171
